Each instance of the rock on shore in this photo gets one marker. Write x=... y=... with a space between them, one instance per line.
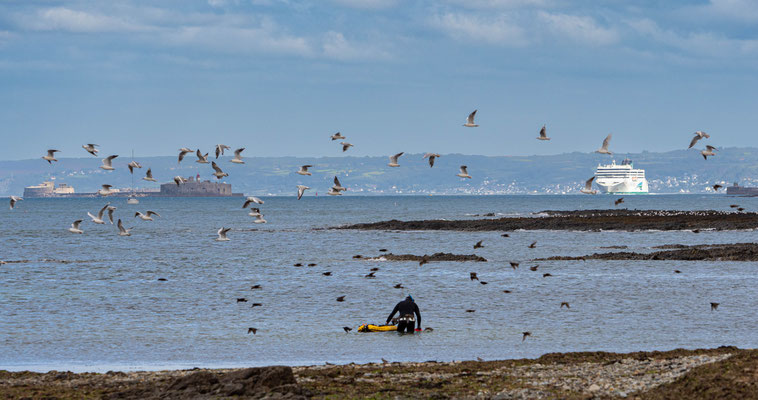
x=701 y=252
x=584 y=220
x=725 y=372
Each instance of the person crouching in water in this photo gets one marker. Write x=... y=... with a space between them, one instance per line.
x=406 y=309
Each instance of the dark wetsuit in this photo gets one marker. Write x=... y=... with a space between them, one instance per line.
x=406 y=307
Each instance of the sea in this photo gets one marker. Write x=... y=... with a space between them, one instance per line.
x=166 y=297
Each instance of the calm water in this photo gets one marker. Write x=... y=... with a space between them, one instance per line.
x=105 y=308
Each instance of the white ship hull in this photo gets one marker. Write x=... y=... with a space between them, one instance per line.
x=620 y=178
x=622 y=186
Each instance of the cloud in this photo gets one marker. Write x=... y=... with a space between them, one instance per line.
x=743 y=10
x=336 y=46
x=5 y=37
x=65 y=19
x=500 y=4
x=582 y=29
x=231 y=39
x=700 y=43
x=232 y=33
x=499 y=30
x=367 y=4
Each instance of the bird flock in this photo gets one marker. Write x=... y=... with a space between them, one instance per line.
x=336 y=190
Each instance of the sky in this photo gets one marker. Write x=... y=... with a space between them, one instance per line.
x=278 y=77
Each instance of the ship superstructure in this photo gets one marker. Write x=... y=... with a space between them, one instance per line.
x=621 y=178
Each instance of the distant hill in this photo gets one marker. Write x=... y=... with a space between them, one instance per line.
x=669 y=172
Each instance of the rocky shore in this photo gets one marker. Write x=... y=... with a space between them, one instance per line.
x=726 y=372
x=585 y=220
x=701 y=252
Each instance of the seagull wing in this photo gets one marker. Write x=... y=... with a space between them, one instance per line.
x=102 y=211
x=470 y=118
x=588 y=184
x=543 y=131
x=238 y=152
x=607 y=141
x=216 y=168
x=149 y=213
x=694 y=140
x=76 y=224
x=464 y=170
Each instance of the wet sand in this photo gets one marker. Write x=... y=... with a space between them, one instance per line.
x=726 y=372
x=585 y=220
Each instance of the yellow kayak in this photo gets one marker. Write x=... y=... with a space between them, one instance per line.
x=376 y=328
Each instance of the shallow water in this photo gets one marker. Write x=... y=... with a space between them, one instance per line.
x=107 y=310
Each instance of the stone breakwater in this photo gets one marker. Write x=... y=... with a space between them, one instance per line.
x=584 y=220
x=726 y=372
x=701 y=252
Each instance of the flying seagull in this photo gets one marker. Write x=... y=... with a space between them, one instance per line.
x=105 y=191
x=333 y=192
x=431 y=157
x=543 y=134
x=238 y=156
x=108 y=163
x=338 y=186
x=132 y=165
x=716 y=187
x=709 y=151
x=524 y=335
x=201 y=159
x=393 y=159
x=463 y=173
x=345 y=146
x=146 y=216
x=149 y=176
x=123 y=231
x=219 y=173
x=183 y=152
x=698 y=135
x=470 y=120
x=222 y=234
x=588 y=187
x=304 y=170
x=337 y=136
x=15 y=199
x=220 y=149
x=252 y=199
x=75 y=227
x=91 y=148
x=604 y=148
x=300 y=190
x=50 y=157
x=99 y=218
x=111 y=209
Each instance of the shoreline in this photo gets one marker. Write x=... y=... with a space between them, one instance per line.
x=582 y=220
x=656 y=374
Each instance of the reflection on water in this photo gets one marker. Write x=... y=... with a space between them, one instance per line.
x=95 y=301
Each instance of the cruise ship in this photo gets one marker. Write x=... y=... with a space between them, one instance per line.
x=621 y=179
